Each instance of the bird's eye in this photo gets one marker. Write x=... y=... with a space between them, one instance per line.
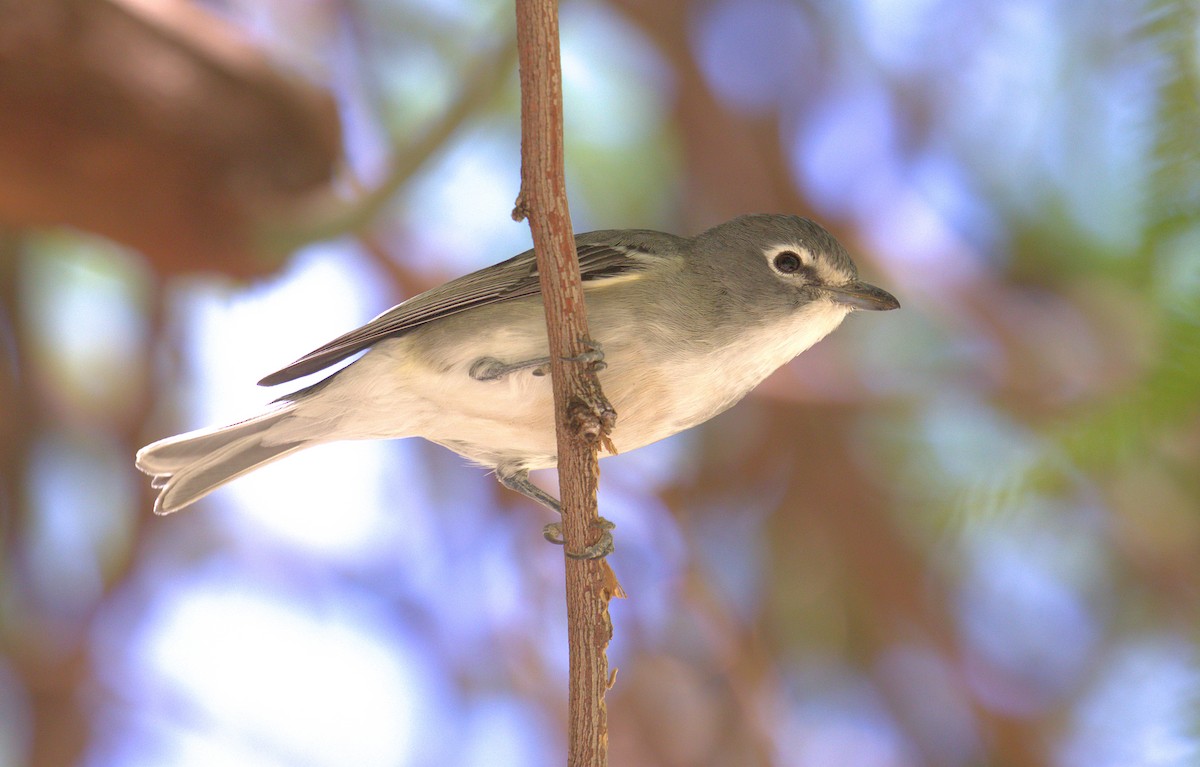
x=788 y=262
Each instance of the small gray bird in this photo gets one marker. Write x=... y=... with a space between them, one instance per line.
x=687 y=327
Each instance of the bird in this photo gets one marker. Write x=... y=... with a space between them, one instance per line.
x=685 y=328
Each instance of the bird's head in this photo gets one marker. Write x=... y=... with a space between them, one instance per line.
x=781 y=263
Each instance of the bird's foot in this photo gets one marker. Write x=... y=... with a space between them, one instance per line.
x=598 y=550
x=592 y=355
x=492 y=369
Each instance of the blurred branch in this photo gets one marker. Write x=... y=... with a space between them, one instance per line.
x=736 y=163
x=50 y=679
x=727 y=176
x=583 y=417
x=329 y=216
x=155 y=124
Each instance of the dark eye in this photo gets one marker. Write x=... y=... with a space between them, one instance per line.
x=788 y=262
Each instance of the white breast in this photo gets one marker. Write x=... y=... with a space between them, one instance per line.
x=667 y=399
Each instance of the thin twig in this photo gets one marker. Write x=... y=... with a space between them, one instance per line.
x=583 y=417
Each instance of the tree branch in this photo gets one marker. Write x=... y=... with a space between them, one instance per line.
x=583 y=417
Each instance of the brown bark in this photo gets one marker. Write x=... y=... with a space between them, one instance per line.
x=582 y=416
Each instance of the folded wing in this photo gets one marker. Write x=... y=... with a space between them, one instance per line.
x=602 y=255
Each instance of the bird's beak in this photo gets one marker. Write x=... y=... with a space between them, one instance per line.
x=861 y=295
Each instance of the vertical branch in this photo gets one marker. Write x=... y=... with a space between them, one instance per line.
x=583 y=417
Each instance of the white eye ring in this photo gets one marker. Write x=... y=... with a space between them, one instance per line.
x=790 y=260
x=787 y=262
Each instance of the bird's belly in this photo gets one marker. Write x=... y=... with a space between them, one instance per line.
x=407 y=387
x=512 y=421
x=506 y=421
x=490 y=422
x=500 y=422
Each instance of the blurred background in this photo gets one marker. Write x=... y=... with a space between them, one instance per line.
x=963 y=533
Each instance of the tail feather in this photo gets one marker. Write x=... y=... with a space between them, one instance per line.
x=173 y=453
x=188 y=467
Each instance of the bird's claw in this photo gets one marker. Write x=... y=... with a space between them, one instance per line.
x=598 y=550
x=593 y=355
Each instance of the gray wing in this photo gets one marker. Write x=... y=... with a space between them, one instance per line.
x=602 y=255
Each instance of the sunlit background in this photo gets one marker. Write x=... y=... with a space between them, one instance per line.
x=963 y=533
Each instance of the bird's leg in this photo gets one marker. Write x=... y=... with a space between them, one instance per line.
x=492 y=369
x=519 y=481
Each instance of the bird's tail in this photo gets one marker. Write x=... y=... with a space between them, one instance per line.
x=188 y=467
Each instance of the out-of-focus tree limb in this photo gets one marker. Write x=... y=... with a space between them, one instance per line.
x=154 y=124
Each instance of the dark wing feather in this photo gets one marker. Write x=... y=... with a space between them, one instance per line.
x=602 y=255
